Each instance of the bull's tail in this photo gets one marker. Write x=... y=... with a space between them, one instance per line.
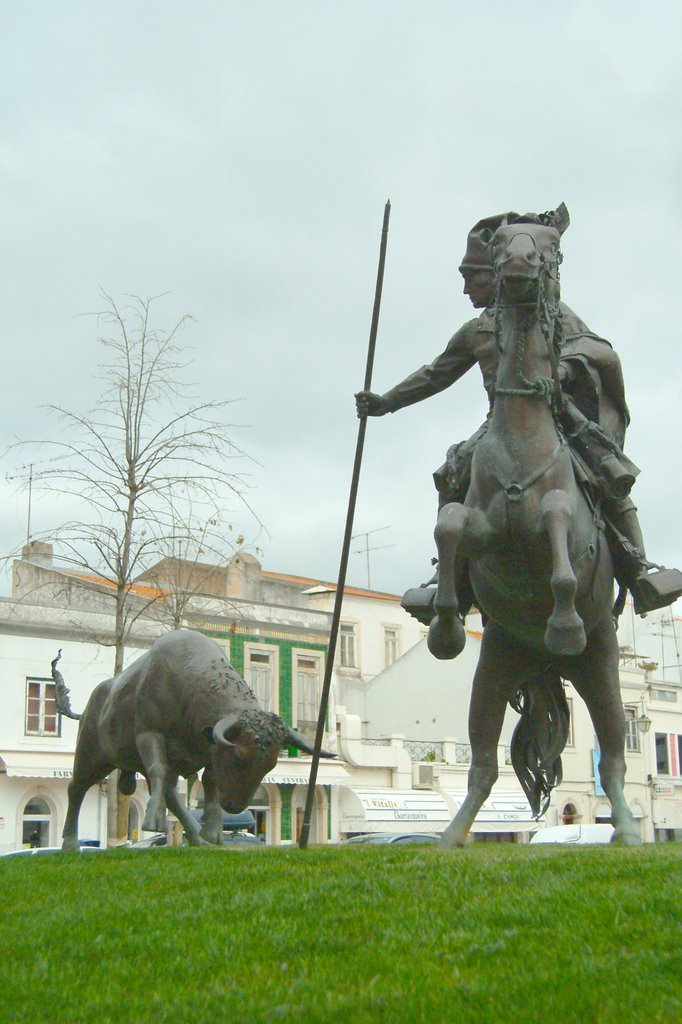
x=540 y=737
x=62 y=691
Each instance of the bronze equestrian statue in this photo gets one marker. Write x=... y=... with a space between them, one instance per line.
x=595 y=417
x=544 y=478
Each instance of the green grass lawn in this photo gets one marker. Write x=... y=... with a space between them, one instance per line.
x=358 y=934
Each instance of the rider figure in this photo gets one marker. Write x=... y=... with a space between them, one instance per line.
x=594 y=418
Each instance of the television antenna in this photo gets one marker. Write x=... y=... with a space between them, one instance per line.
x=366 y=549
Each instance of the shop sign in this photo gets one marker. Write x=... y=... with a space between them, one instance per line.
x=664 y=789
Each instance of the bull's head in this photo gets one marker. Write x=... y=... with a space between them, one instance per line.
x=245 y=749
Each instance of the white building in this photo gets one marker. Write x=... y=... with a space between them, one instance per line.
x=36 y=744
x=398 y=717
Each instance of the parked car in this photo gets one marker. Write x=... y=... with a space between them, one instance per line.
x=230 y=839
x=576 y=835
x=159 y=839
x=30 y=851
x=424 y=838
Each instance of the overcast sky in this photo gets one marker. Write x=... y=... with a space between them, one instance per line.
x=238 y=157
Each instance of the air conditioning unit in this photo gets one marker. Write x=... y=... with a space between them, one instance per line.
x=425 y=776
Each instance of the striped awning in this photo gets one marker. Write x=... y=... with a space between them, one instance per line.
x=37 y=764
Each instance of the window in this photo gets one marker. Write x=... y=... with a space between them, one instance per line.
x=41 y=708
x=631 y=730
x=664 y=695
x=662 y=758
x=348 y=646
x=391 y=645
x=261 y=673
x=569 y=738
x=307 y=675
x=36 y=822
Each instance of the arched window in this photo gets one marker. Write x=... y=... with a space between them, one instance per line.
x=569 y=815
x=36 y=823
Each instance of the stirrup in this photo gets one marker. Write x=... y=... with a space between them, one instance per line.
x=656 y=589
x=419 y=603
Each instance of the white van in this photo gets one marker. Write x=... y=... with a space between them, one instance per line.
x=574 y=834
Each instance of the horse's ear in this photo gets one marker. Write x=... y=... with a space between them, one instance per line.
x=560 y=218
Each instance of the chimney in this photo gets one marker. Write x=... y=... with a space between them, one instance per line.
x=38 y=552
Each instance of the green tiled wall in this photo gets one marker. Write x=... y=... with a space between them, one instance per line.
x=285 y=662
x=285 y=794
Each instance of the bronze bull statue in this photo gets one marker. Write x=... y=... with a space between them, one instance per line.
x=179 y=708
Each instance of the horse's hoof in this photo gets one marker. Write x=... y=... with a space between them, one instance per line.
x=565 y=640
x=626 y=837
x=446 y=638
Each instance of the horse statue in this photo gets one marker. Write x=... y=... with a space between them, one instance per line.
x=538 y=560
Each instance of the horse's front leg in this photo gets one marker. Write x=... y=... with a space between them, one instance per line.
x=459 y=527
x=565 y=633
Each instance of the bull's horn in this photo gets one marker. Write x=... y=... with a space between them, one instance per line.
x=297 y=740
x=221 y=729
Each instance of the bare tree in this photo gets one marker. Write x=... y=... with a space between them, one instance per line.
x=142 y=461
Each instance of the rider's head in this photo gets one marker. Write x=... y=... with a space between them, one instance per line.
x=476 y=267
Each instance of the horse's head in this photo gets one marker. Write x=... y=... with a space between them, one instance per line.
x=526 y=260
x=526 y=256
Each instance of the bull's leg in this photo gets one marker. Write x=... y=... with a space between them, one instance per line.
x=212 y=829
x=152 y=749
x=565 y=633
x=595 y=677
x=84 y=776
x=182 y=813
x=498 y=669
x=458 y=526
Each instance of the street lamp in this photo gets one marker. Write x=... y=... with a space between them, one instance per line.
x=643 y=723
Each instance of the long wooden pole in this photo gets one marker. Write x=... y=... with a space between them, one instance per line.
x=336 y=615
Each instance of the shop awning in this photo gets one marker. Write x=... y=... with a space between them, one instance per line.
x=296 y=772
x=37 y=765
x=501 y=812
x=393 y=810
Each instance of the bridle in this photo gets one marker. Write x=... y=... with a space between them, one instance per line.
x=551 y=322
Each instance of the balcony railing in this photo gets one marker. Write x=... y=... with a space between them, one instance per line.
x=436 y=751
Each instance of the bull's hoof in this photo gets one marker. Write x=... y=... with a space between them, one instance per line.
x=446 y=636
x=195 y=839
x=154 y=821
x=211 y=837
x=565 y=637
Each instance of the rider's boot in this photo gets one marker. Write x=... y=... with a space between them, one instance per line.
x=652 y=586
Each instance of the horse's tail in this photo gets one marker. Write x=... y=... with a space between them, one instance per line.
x=540 y=736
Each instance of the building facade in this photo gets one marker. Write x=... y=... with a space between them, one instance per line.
x=397 y=718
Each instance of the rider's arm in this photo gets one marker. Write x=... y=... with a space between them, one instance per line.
x=449 y=366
